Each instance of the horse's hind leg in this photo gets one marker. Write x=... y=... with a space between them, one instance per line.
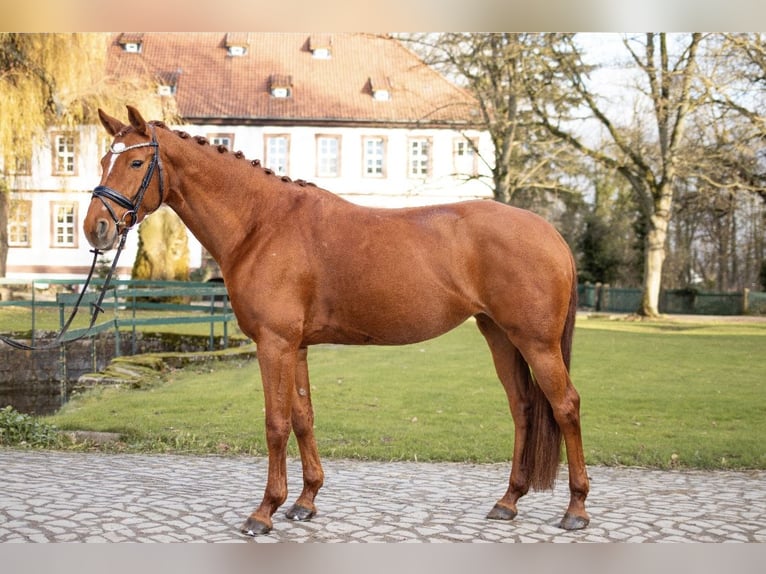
x=512 y=371
x=552 y=377
x=303 y=427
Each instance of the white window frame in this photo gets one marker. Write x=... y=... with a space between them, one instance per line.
x=64 y=224
x=277 y=153
x=328 y=155
x=419 y=157
x=464 y=157
x=222 y=139
x=64 y=153
x=280 y=92
x=236 y=51
x=374 y=156
x=20 y=223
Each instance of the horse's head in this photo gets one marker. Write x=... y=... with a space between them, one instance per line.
x=132 y=183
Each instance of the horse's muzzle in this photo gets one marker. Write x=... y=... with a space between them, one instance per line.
x=102 y=234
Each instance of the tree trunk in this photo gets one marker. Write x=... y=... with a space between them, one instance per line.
x=656 y=238
x=655 y=258
x=501 y=174
x=4 y=202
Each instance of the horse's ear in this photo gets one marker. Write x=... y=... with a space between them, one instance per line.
x=136 y=120
x=111 y=125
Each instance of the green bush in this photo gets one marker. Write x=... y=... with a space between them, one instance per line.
x=20 y=429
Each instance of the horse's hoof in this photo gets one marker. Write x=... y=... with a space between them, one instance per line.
x=298 y=512
x=574 y=522
x=499 y=512
x=254 y=527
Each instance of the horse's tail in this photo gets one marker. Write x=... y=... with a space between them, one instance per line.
x=568 y=335
x=542 y=448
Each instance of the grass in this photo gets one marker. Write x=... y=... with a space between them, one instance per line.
x=659 y=394
x=665 y=395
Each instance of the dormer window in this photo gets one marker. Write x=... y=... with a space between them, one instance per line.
x=167 y=82
x=279 y=92
x=236 y=44
x=381 y=88
x=281 y=86
x=131 y=42
x=320 y=46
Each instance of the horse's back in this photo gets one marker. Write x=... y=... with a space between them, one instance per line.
x=393 y=276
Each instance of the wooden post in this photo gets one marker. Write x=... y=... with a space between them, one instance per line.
x=597 y=304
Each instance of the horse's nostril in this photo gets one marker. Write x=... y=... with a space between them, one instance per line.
x=102 y=227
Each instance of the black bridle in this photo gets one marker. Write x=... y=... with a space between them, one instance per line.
x=132 y=206
x=106 y=194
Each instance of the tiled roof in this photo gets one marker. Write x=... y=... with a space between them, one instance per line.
x=212 y=85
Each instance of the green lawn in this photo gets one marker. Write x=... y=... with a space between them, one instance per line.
x=653 y=394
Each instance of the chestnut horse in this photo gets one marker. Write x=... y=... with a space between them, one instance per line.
x=303 y=266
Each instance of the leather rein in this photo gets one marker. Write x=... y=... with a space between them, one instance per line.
x=107 y=194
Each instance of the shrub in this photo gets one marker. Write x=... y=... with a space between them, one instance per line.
x=24 y=430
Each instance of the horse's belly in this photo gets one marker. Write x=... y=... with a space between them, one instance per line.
x=375 y=325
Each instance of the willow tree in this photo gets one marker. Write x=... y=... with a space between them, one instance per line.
x=163 y=248
x=646 y=153
x=55 y=80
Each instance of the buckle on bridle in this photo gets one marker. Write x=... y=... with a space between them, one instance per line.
x=123 y=224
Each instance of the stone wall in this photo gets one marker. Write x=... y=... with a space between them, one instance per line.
x=39 y=382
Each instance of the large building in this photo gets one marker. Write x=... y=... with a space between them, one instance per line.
x=357 y=114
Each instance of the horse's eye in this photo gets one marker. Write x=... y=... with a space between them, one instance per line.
x=136 y=163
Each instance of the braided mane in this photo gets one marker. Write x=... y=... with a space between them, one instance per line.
x=201 y=140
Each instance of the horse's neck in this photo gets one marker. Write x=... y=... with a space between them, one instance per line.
x=223 y=200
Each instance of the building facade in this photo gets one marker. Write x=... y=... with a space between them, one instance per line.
x=357 y=114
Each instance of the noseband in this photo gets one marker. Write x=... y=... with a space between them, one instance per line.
x=106 y=194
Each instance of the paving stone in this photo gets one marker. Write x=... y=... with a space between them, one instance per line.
x=97 y=497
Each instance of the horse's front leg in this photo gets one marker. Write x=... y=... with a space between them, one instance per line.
x=278 y=368
x=303 y=427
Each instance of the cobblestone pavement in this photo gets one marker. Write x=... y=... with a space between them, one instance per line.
x=94 y=497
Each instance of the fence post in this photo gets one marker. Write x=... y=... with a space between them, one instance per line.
x=211 y=340
x=63 y=373
x=745 y=301
x=597 y=298
x=33 y=313
x=226 y=323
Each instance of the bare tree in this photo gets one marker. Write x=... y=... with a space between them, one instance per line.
x=728 y=174
x=718 y=225
x=740 y=83
x=647 y=159
x=500 y=70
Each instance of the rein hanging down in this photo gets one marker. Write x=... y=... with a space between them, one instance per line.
x=106 y=194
